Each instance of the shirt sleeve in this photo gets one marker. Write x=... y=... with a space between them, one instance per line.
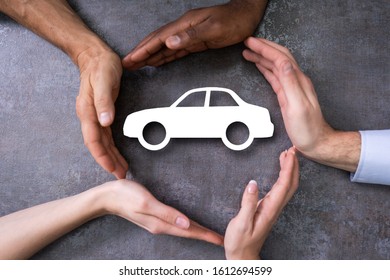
x=374 y=162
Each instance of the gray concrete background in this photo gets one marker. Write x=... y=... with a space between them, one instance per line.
x=342 y=45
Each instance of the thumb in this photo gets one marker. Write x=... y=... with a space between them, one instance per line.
x=104 y=103
x=249 y=203
x=189 y=37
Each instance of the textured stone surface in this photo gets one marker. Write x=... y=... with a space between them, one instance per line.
x=342 y=45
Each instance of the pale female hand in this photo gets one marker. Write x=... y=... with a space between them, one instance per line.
x=247 y=232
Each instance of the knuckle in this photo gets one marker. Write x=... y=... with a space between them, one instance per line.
x=191 y=13
x=269 y=218
x=91 y=146
x=143 y=203
x=87 y=144
x=79 y=110
x=102 y=101
x=283 y=63
x=79 y=107
x=155 y=230
x=191 y=32
x=215 y=24
x=286 y=50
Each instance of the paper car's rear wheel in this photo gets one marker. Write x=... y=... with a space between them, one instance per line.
x=237 y=136
x=154 y=136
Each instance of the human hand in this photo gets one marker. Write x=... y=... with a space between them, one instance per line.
x=100 y=76
x=100 y=71
x=197 y=30
x=135 y=203
x=303 y=119
x=247 y=232
x=27 y=231
x=298 y=101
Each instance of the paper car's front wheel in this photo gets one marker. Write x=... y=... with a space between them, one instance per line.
x=237 y=136
x=154 y=136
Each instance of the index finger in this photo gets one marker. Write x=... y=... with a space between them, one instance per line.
x=284 y=69
x=166 y=219
x=269 y=50
x=166 y=213
x=273 y=203
x=195 y=230
x=287 y=183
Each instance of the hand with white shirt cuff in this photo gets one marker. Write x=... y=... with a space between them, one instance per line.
x=374 y=162
x=365 y=153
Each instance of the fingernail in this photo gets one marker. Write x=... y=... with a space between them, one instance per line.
x=173 y=40
x=182 y=223
x=252 y=188
x=104 y=118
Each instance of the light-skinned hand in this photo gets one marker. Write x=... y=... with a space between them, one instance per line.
x=135 y=203
x=302 y=116
x=100 y=76
x=25 y=232
x=247 y=232
x=100 y=71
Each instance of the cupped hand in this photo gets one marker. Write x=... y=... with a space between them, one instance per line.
x=247 y=232
x=197 y=30
x=301 y=111
x=100 y=75
x=135 y=203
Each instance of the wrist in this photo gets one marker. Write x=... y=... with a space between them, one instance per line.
x=339 y=149
x=95 y=48
x=255 y=4
x=97 y=200
x=242 y=248
x=106 y=196
x=242 y=256
x=317 y=144
x=254 y=9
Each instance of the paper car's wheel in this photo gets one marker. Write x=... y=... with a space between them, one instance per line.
x=154 y=136
x=237 y=136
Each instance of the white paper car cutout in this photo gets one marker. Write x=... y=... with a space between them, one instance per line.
x=202 y=120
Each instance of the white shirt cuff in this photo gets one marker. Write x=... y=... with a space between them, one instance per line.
x=374 y=162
